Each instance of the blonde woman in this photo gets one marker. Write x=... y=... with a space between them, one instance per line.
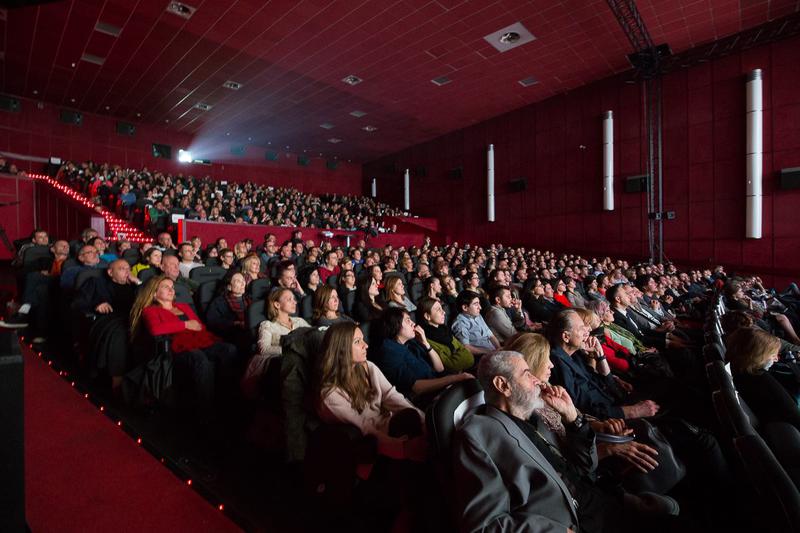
x=251 y=268
x=394 y=293
x=280 y=307
x=751 y=352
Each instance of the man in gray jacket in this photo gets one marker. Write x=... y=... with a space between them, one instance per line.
x=513 y=474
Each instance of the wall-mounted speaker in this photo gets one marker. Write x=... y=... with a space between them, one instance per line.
x=124 y=128
x=162 y=151
x=303 y=160
x=271 y=156
x=636 y=184
x=456 y=173
x=71 y=117
x=10 y=104
x=391 y=168
x=421 y=172
x=237 y=150
x=331 y=164
x=518 y=184
x=789 y=178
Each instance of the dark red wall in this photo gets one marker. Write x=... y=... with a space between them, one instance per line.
x=38 y=132
x=704 y=170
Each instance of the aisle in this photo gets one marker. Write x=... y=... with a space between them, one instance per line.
x=84 y=474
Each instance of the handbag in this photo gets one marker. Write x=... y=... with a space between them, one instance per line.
x=151 y=382
x=670 y=470
x=651 y=365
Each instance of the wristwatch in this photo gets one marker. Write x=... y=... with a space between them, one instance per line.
x=579 y=421
x=428 y=348
x=600 y=358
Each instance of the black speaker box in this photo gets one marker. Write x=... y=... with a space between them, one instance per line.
x=303 y=160
x=71 y=117
x=391 y=168
x=518 y=185
x=636 y=184
x=162 y=151
x=271 y=156
x=422 y=172
x=456 y=173
x=10 y=104
x=332 y=164
x=790 y=178
x=12 y=450
x=124 y=128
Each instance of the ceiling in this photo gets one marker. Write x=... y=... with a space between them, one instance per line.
x=290 y=57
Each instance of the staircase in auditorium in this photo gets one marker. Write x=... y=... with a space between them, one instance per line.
x=116 y=227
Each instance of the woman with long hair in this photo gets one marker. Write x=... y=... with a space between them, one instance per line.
x=368 y=305
x=251 y=268
x=394 y=293
x=195 y=351
x=280 y=307
x=454 y=355
x=326 y=307
x=150 y=259
x=349 y=389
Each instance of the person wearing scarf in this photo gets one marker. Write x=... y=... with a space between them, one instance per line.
x=454 y=355
x=226 y=313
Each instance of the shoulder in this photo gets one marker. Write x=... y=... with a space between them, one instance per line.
x=299 y=322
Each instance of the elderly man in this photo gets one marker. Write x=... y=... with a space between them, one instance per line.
x=184 y=287
x=513 y=474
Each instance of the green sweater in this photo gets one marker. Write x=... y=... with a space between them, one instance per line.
x=457 y=360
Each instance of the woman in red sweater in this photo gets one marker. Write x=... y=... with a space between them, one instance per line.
x=197 y=353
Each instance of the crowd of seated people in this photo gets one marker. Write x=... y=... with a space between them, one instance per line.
x=567 y=350
x=155 y=196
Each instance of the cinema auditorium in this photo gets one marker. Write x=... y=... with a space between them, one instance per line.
x=399 y=266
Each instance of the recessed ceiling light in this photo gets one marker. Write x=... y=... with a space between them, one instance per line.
x=510 y=37
x=441 y=80
x=287 y=146
x=227 y=133
x=369 y=128
x=35 y=91
x=167 y=121
x=73 y=65
x=108 y=29
x=182 y=10
x=527 y=82
x=249 y=138
x=269 y=142
x=202 y=106
x=358 y=114
x=72 y=100
x=138 y=114
x=96 y=60
x=232 y=85
x=326 y=126
x=352 y=79
x=107 y=108
x=334 y=140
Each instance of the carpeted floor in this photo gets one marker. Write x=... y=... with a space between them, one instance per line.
x=84 y=474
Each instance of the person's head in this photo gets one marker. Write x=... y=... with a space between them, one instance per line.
x=287 y=278
x=733 y=320
x=397 y=325
x=186 y=252
x=343 y=365
x=99 y=243
x=602 y=309
x=424 y=271
x=733 y=291
x=535 y=349
x=472 y=280
x=237 y=284
x=432 y=286
x=60 y=248
x=508 y=383
x=226 y=257
x=394 y=289
x=751 y=350
x=165 y=240
x=251 y=265
x=88 y=255
x=430 y=310
x=326 y=302
x=647 y=284
x=331 y=259
x=170 y=266
x=501 y=296
x=119 y=271
x=87 y=234
x=281 y=301
x=40 y=238
x=566 y=329
x=157 y=291
x=589 y=318
x=617 y=296
x=469 y=303
x=347 y=279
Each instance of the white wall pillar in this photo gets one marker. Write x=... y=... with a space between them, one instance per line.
x=374 y=187
x=407 y=191
x=490 y=183
x=754 y=154
x=608 y=161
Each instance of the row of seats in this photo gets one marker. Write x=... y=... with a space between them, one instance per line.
x=767 y=455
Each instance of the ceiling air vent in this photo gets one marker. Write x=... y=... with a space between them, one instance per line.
x=202 y=106
x=527 y=82
x=89 y=58
x=326 y=126
x=232 y=85
x=510 y=37
x=370 y=128
x=182 y=10
x=441 y=80
x=108 y=29
x=334 y=140
x=352 y=79
x=358 y=114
